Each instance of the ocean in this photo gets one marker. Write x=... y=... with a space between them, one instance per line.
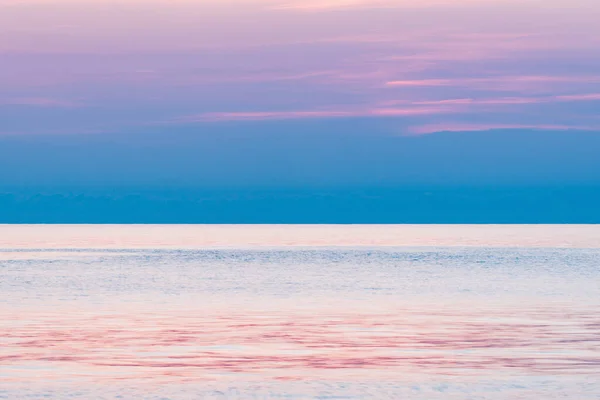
x=420 y=312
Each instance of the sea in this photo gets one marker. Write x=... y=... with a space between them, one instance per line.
x=420 y=312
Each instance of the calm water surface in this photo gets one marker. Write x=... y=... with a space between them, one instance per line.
x=300 y=312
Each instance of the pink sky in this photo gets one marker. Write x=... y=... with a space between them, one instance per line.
x=109 y=65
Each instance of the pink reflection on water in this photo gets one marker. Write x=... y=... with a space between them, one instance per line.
x=203 y=344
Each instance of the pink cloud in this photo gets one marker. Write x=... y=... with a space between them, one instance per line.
x=389 y=109
x=445 y=47
x=266 y=115
x=498 y=82
x=40 y=102
x=423 y=82
x=500 y=100
x=490 y=101
x=579 y=97
x=260 y=77
x=282 y=115
x=450 y=101
x=407 y=111
x=458 y=127
x=510 y=101
x=324 y=5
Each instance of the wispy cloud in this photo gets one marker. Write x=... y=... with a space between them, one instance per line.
x=506 y=100
x=250 y=62
x=426 y=82
x=391 y=108
x=579 y=97
x=466 y=127
x=491 y=101
x=315 y=114
x=258 y=77
x=265 y=115
x=324 y=5
x=508 y=80
x=40 y=102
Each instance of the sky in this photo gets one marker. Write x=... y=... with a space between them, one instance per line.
x=303 y=98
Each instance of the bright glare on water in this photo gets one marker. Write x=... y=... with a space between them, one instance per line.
x=300 y=312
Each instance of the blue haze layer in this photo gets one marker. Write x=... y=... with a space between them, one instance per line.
x=344 y=171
